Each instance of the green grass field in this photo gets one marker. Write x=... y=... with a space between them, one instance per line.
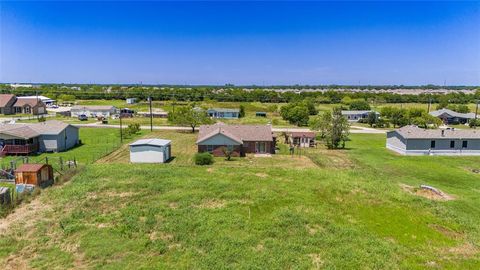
x=347 y=209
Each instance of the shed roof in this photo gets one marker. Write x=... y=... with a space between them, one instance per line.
x=414 y=132
x=238 y=133
x=224 y=110
x=30 y=167
x=154 y=142
x=307 y=134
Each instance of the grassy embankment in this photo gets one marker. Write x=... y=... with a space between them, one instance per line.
x=345 y=209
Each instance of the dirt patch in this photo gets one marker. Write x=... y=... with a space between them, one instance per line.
x=118 y=194
x=261 y=175
x=466 y=250
x=212 y=204
x=426 y=193
x=259 y=247
x=173 y=205
x=27 y=213
x=317 y=261
x=210 y=170
x=313 y=229
x=446 y=231
x=16 y=262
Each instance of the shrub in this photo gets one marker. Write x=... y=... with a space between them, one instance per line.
x=203 y=158
x=472 y=123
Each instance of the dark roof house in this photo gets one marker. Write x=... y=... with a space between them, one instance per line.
x=241 y=139
x=452 y=117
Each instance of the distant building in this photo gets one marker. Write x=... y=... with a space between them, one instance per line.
x=17 y=85
x=223 y=113
x=452 y=117
x=150 y=151
x=48 y=136
x=355 y=116
x=131 y=100
x=93 y=110
x=155 y=114
x=302 y=139
x=10 y=104
x=412 y=140
x=240 y=139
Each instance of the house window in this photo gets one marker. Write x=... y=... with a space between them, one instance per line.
x=210 y=148
x=27 y=109
x=18 y=109
x=464 y=144
x=452 y=144
x=432 y=144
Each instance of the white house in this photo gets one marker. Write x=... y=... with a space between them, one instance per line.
x=412 y=140
x=93 y=111
x=150 y=151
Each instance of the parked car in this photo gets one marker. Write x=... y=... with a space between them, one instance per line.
x=82 y=117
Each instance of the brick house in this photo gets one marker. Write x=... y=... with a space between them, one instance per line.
x=10 y=104
x=242 y=139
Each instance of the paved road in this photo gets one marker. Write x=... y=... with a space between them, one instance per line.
x=354 y=129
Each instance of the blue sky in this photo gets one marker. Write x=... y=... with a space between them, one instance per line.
x=261 y=43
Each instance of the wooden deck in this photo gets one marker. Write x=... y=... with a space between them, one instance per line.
x=18 y=149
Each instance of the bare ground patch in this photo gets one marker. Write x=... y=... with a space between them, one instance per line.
x=211 y=204
x=426 y=193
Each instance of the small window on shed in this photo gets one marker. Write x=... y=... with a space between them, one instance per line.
x=432 y=144
x=464 y=144
x=452 y=144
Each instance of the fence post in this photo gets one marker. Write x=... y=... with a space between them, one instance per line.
x=61 y=163
x=75 y=162
x=46 y=160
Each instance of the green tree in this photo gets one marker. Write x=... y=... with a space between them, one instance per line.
x=334 y=126
x=188 y=116
x=242 y=111
x=372 y=119
x=295 y=114
x=359 y=105
x=427 y=121
x=462 y=108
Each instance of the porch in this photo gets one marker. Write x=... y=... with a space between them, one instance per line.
x=18 y=146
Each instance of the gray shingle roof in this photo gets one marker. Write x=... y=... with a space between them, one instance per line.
x=452 y=114
x=27 y=131
x=414 y=132
x=238 y=133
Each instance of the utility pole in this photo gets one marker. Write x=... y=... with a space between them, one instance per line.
x=121 y=129
x=151 y=114
x=476 y=114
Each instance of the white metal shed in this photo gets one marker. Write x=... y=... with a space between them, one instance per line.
x=150 y=151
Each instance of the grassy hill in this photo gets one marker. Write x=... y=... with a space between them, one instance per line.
x=351 y=209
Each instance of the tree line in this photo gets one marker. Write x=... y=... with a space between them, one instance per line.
x=234 y=94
